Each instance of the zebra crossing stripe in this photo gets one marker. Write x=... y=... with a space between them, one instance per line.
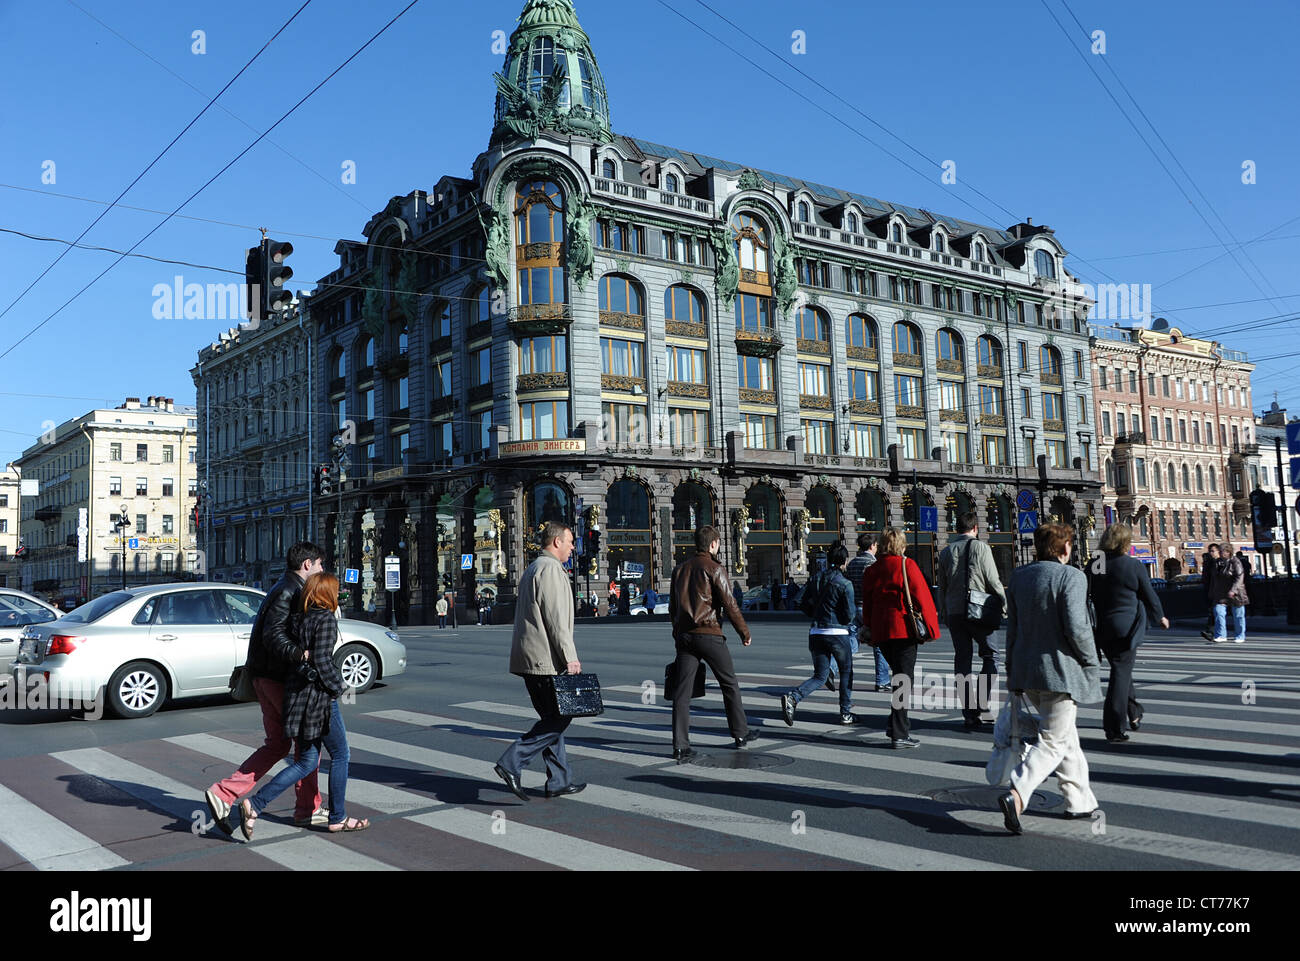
x=46 y=842
x=829 y=844
x=552 y=847
x=306 y=853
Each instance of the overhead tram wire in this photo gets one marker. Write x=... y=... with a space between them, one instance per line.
x=1147 y=143
x=104 y=213
x=213 y=178
x=1174 y=156
x=983 y=213
x=326 y=180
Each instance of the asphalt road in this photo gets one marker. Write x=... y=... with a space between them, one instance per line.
x=1211 y=780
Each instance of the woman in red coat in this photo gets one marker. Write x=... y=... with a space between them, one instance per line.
x=884 y=608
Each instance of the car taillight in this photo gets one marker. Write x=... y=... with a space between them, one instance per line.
x=63 y=644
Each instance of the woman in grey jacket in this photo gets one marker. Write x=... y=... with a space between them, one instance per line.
x=1052 y=658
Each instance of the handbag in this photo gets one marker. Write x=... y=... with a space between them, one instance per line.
x=670 y=681
x=241 y=684
x=983 y=610
x=1016 y=727
x=917 y=632
x=577 y=695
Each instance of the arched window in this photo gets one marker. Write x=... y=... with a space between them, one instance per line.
x=1157 y=474
x=980 y=256
x=440 y=322
x=939 y=244
x=1044 y=264
x=1214 y=484
x=824 y=520
x=1187 y=486
x=621 y=295
x=1173 y=478
x=1049 y=360
x=803 y=211
x=608 y=170
x=480 y=306
x=1200 y=480
x=957 y=504
x=692 y=509
x=672 y=184
x=683 y=304
x=539 y=230
x=338 y=365
x=548 y=500
x=907 y=339
x=544 y=60
x=896 y=233
x=1110 y=474
x=869 y=506
x=539 y=215
x=950 y=346
x=813 y=324
x=853 y=223
x=366 y=352
x=988 y=352
x=764 y=542
x=752 y=244
x=860 y=331
x=403 y=339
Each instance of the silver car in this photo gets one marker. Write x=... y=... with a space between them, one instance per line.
x=19 y=610
x=147 y=645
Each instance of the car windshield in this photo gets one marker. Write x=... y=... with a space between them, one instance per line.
x=92 y=611
x=18 y=611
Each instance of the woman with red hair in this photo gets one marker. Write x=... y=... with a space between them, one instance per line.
x=311 y=710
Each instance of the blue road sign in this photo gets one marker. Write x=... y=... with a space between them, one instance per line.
x=466 y=562
x=631 y=569
x=351 y=575
x=1293 y=437
x=1025 y=500
x=133 y=543
x=1027 y=522
x=1295 y=472
x=930 y=519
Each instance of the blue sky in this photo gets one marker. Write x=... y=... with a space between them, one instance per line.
x=996 y=88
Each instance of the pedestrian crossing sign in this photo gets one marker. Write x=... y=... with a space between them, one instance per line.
x=1028 y=522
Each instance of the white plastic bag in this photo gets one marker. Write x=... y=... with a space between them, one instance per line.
x=1015 y=729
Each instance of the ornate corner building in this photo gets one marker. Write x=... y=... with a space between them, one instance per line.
x=613 y=332
x=1177 y=446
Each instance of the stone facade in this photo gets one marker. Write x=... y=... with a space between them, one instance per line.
x=138 y=455
x=10 y=565
x=1177 y=443
x=674 y=339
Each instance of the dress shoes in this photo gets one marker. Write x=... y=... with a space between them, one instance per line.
x=883 y=688
x=1116 y=738
x=1136 y=722
x=899 y=743
x=682 y=755
x=747 y=739
x=1009 y=816
x=571 y=789
x=512 y=782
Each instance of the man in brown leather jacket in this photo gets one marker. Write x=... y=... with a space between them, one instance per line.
x=699 y=589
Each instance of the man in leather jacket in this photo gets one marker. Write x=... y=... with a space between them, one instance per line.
x=272 y=655
x=699 y=589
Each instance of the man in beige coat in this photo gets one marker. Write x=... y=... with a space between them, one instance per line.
x=542 y=648
x=966 y=564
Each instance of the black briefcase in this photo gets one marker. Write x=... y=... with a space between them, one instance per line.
x=577 y=695
x=670 y=681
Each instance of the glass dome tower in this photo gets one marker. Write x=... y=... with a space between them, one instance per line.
x=550 y=80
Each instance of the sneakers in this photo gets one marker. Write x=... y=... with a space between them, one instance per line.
x=899 y=743
x=1239 y=640
x=884 y=688
x=787 y=708
x=1217 y=640
x=220 y=812
x=848 y=719
x=317 y=819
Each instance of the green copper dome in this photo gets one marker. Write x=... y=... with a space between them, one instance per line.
x=550 y=80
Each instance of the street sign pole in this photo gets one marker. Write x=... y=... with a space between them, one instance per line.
x=1286 y=534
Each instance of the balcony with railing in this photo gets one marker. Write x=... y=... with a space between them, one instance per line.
x=1049 y=378
x=908 y=360
x=540 y=319
x=556 y=380
x=624 y=321
x=870 y=354
x=759 y=341
x=805 y=345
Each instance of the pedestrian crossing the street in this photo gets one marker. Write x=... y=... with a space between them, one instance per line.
x=1211 y=781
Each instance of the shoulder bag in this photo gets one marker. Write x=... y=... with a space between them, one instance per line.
x=983 y=610
x=917 y=632
x=241 y=684
x=670 y=681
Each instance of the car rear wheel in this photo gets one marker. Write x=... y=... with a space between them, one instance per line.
x=136 y=690
x=358 y=666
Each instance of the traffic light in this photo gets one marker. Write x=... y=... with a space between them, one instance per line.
x=254 y=278
x=592 y=550
x=1264 y=509
x=324 y=483
x=276 y=272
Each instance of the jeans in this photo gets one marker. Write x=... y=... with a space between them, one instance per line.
x=882 y=666
x=546 y=737
x=829 y=649
x=336 y=742
x=1221 y=621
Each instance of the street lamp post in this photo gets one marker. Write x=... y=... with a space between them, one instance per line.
x=122 y=525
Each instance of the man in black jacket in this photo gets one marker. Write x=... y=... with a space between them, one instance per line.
x=272 y=654
x=699 y=590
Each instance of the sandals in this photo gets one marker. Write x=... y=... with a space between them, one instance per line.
x=350 y=825
x=246 y=819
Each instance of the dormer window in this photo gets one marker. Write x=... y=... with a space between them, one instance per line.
x=979 y=252
x=803 y=211
x=608 y=170
x=896 y=233
x=1045 y=264
x=938 y=242
x=853 y=223
x=672 y=184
